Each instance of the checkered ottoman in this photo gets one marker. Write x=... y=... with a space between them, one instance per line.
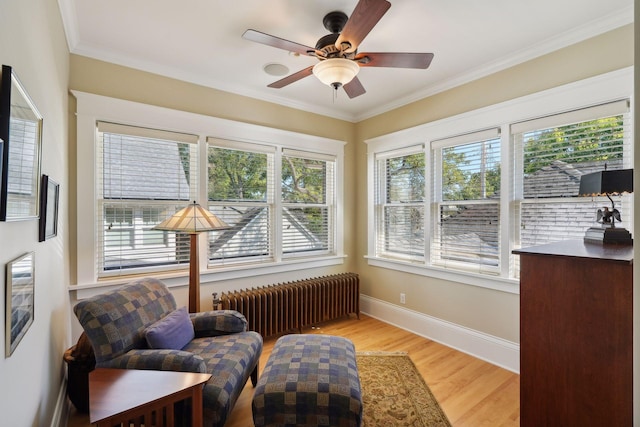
x=309 y=380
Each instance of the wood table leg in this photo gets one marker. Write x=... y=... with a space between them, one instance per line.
x=196 y=406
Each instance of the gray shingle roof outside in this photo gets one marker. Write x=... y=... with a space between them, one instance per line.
x=541 y=222
x=144 y=172
x=468 y=230
x=250 y=235
x=561 y=179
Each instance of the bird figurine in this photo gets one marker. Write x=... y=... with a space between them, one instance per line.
x=606 y=216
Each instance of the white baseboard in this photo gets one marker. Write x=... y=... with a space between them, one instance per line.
x=61 y=411
x=494 y=350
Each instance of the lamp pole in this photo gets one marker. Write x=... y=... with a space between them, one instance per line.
x=193 y=220
x=194 y=275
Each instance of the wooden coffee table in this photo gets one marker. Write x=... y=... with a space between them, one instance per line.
x=123 y=395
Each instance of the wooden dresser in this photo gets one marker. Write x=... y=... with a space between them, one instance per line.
x=576 y=337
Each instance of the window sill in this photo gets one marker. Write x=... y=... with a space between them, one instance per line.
x=222 y=273
x=490 y=282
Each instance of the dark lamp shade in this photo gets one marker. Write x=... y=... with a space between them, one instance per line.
x=606 y=182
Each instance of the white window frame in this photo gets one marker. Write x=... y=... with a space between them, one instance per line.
x=269 y=203
x=597 y=90
x=156 y=141
x=381 y=202
x=92 y=108
x=521 y=203
x=329 y=204
x=437 y=148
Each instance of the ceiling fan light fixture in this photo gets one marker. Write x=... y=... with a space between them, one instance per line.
x=336 y=72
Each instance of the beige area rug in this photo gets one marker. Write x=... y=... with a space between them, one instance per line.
x=394 y=393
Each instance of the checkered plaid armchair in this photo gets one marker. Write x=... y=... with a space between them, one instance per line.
x=138 y=326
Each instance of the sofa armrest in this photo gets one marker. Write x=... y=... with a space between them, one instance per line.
x=159 y=360
x=218 y=322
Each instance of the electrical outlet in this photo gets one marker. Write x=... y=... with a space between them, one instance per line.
x=403 y=299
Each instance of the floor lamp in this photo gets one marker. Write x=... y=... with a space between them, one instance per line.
x=193 y=219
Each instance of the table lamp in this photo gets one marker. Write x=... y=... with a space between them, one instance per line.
x=193 y=220
x=607 y=183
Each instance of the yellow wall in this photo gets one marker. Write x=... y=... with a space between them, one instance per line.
x=102 y=78
x=492 y=312
x=32 y=41
x=488 y=311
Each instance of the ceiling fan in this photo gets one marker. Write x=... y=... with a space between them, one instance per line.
x=338 y=53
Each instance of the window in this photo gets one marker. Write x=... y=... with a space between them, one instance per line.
x=118 y=226
x=497 y=179
x=551 y=154
x=131 y=177
x=466 y=217
x=144 y=176
x=308 y=203
x=399 y=205
x=241 y=191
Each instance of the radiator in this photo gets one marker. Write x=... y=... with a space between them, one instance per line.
x=284 y=307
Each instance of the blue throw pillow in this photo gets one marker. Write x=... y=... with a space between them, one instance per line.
x=173 y=331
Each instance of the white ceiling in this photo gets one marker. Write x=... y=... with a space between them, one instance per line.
x=200 y=41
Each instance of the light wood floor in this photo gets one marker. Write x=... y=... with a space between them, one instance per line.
x=470 y=391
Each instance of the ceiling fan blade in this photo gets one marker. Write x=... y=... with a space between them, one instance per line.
x=394 y=59
x=292 y=78
x=354 y=88
x=269 y=40
x=364 y=17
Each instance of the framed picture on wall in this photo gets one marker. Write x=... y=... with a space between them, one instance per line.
x=19 y=299
x=49 y=194
x=21 y=132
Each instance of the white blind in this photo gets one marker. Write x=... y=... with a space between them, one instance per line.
x=552 y=154
x=240 y=192
x=399 y=204
x=466 y=214
x=143 y=176
x=470 y=171
x=308 y=203
x=575 y=116
x=452 y=141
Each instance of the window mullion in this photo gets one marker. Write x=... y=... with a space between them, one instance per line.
x=429 y=193
x=200 y=194
x=506 y=185
x=277 y=214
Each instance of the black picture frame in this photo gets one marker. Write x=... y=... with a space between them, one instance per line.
x=49 y=195
x=20 y=160
x=19 y=299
